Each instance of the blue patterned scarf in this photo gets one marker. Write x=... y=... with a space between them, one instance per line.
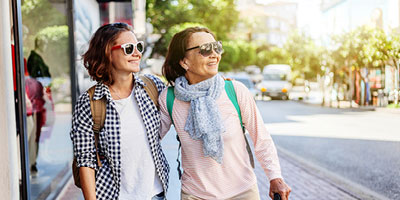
x=204 y=121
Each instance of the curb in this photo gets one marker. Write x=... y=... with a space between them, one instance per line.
x=359 y=109
x=64 y=189
x=353 y=189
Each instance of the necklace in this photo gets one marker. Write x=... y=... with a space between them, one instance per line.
x=117 y=93
x=120 y=102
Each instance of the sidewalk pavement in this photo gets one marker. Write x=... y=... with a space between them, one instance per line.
x=307 y=182
x=55 y=152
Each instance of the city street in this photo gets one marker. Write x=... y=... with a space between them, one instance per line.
x=360 y=146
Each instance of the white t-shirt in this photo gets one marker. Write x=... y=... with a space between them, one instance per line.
x=138 y=173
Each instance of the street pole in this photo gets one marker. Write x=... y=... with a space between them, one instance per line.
x=139 y=27
x=72 y=57
x=111 y=11
x=139 y=17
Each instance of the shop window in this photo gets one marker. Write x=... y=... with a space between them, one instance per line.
x=48 y=88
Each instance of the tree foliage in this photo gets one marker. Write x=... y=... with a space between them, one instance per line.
x=38 y=14
x=54 y=42
x=272 y=55
x=219 y=16
x=303 y=55
x=230 y=56
x=45 y=30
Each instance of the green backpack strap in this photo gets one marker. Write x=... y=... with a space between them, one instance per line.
x=170 y=106
x=230 y=91
x=170 y=101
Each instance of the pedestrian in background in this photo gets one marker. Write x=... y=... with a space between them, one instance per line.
x=35 y=110
x=35 y=93
x=133 y=164
x=214 y=158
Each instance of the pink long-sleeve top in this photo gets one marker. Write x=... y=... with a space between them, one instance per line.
x=203 y=176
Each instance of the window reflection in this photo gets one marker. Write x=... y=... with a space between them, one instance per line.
x=48 y=96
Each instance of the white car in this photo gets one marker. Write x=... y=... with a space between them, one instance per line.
x=276 y=82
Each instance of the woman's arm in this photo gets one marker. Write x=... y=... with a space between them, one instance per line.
x=264 y=147
x=82 y=137
x=88 y=183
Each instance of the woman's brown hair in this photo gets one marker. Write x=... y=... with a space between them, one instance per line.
x=171 y=68
x=97 y=59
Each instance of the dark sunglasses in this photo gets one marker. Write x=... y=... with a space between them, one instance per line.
x=129 y=48
x=207 y=48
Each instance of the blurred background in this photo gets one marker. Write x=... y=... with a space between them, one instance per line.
x=324 y=74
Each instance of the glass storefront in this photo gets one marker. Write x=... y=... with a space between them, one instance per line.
x=51 y=70
x=48 y=95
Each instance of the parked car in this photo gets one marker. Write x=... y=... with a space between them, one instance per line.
x=254 y=73
x=245 y=79
x=276 y=81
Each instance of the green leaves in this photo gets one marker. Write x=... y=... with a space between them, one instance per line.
x=220 y=16
x=303 y=55
x=44 y=29
x=365 y=47
x=53 y=42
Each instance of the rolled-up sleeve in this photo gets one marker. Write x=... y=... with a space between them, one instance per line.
x=82 y=134
x=264 y=147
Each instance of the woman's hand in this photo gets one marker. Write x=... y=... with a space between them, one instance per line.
x=279 y=186
x=88 y=183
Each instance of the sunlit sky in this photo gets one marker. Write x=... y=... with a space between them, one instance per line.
x=309 y=17
x=345 y=16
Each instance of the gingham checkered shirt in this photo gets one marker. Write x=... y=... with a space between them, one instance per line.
x=108 y=177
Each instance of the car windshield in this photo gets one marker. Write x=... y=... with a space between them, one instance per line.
x=275 y=77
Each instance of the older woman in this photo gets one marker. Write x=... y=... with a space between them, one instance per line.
x=214 y=157
x=133 y=165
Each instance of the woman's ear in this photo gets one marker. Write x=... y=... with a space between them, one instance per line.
x=183 y=64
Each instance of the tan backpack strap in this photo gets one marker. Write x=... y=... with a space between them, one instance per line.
x=98 y=109
x=151 y=89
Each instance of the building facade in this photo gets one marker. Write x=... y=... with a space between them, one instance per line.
x=345 y=15
x=270 y=21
